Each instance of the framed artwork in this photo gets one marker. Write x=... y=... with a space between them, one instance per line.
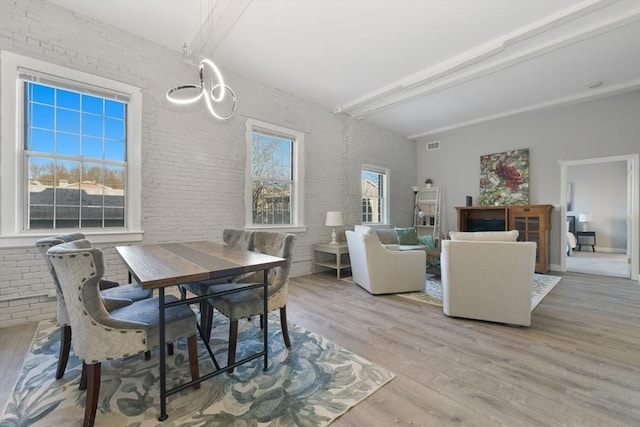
x=569 y=197
x=504 y=178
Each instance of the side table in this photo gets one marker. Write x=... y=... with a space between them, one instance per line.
x=338 y=261
x=586 y=238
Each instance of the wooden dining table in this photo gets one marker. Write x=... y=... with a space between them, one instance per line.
x=162 y=265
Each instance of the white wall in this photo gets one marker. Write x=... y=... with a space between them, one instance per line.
x=601 y=189
x=193 y=166
x=600 y=128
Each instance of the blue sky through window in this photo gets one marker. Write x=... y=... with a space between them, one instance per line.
x=65 y=122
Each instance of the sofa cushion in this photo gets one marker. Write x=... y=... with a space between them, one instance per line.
x=486 y=236
x=407 y=236
x=387 y=236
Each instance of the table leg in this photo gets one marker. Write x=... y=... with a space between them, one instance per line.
x=338 y=263
x=163 y=375
x=265 y=309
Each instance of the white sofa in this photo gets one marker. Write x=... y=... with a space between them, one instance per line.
x=381 y=270
x=488 y=276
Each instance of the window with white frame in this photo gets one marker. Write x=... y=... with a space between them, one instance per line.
x=374 y=195
x=275 y=180
x=73 y=157
x=75 y=153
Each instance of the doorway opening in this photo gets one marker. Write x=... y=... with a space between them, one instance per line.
x=599 y=200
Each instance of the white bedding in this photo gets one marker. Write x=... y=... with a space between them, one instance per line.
x=571 y=242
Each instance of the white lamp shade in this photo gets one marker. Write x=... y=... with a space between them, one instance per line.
x=585 y=217
x=334 y=219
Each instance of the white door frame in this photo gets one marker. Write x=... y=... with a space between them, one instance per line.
x=633 y=207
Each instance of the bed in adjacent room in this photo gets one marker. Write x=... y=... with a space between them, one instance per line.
x=571 y=234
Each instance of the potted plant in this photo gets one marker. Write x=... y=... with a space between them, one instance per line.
x=428 y=183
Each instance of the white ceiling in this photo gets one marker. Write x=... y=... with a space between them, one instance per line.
x=413 y=66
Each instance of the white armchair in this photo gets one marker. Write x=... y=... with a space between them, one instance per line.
x=487 y=279
x=381 y=270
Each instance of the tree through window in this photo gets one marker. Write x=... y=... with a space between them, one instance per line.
x=373 y=195
x=272 y=173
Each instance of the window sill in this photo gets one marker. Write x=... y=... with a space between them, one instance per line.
x=29 y=240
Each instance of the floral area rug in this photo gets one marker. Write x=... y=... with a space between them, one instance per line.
x=542 y=285
x=310 y=385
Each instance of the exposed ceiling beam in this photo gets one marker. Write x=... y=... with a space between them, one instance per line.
x=447 y=82
x=439 y=77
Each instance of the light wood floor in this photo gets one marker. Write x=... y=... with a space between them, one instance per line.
x=578 y=364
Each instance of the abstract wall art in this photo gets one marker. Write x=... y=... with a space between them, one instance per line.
x=504 y=178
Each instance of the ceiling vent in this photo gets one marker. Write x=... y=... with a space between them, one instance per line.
x=435 y=145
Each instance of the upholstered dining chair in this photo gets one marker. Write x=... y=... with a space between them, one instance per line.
x=100 y=335
x=249 y=303
x=242 y=239
x=113 y=296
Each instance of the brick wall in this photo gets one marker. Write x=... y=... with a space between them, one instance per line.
x=193 y=166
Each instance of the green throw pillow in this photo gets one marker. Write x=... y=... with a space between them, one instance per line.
x=407 y=236
x=427 y=240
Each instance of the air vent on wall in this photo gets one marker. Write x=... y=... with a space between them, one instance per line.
x=434 y=145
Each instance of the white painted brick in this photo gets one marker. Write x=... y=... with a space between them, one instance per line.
x=39 y=317
x=19 y=303
x=13 y=309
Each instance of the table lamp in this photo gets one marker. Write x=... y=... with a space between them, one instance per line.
x=585 y=218
x=334 y=219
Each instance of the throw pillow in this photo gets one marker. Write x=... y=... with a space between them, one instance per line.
x=407 y=236
x=427 y=240
x=387 y=236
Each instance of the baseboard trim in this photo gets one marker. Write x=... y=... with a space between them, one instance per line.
x=611 y=250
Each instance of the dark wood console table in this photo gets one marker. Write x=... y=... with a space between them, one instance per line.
x=586 y=238
x=532 y=221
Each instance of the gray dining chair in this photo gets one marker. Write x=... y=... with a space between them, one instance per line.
x=249 y=303
x=241 y=239
x=114 y=296
x=101 y=335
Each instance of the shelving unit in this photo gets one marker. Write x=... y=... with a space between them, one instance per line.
x=426 y=216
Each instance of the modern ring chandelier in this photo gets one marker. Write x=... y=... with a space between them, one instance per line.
x=211 y=88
